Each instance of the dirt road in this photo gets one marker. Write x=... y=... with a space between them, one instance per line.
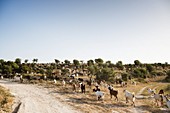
x=35 y=99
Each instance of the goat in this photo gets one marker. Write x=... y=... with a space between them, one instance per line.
x=161 y=92
x=99 y=94
x=167 y=101
x=80 y=79
x=124 y=84
x=129 y=96
x=64 y=83
x=55 y=81
x=113 y=92
x=2 y=77
x=133 y=83
x=21 y=79
x=158 y=98
x=74 y=87
x=45 y=77
x=83 y=88
x=150 y=91
x=96 y=89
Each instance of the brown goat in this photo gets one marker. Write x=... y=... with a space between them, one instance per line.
x=113 y=92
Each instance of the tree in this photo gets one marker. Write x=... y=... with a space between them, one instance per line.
x=92 y=69
x=76 y=62
x=35 y=60
x=7 y=69
x=99 y=61
x=18 y=61
x=15 y=67
x=90 y=62
x=137 y=63
x=149 y=67
x=167 y=79
x=25 y=69
x=119 y=65
x=67 y=62
x=140 y=73
x=26 y=61
x=57 y=61
x=2 y=62
x=105 y=74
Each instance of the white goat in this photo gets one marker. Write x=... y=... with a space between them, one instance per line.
x=2 y=77
x=55 y=81
x=64 y=83
x=129 y=96
x=151 y=91
x=167 y=101
x=99 y=94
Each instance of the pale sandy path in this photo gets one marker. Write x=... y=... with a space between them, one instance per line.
x=35 y=99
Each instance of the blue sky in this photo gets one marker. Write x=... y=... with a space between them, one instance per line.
x=115 y=30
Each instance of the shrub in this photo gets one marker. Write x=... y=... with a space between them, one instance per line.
x=167 y=79
x=140 y=73
x=125 y=76
x=168 y=87
x=104 y=74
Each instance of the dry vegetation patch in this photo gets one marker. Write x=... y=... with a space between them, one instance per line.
x=6 y=100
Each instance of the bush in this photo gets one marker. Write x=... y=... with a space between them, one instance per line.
x=168 y=88
x=104 y=74
x=140 y=73
x=125 y=76
x=167 y=79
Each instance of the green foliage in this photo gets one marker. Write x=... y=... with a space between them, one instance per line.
x=65 y=71
x=35 y=60
x=90 y=62
x=157 y=73
x=149 y=67
x=125 y=76
x=67 y=62
x=18 y=61
x=57 y=61
x=167 y=79
x=168 y=73
x=104 y=74
x=139 y=72
x=7 y=69
x=76 y=62
x=25 y=69
x=93 y=69
x=99 y=61
x=119 y=65
x=137 y=63
x=26 y=60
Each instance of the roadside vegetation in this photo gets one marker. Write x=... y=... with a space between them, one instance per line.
x=6 y=100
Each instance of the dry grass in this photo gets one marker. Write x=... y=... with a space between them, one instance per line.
x=89 y=104
x=6 y=100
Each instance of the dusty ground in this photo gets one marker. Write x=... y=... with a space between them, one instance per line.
x=35 y=99
x=47 y=97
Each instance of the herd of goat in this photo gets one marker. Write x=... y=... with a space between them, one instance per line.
x=129 y=96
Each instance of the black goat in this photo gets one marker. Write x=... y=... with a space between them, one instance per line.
x=83 y=88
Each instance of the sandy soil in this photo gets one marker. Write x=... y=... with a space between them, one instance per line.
x=35 y=99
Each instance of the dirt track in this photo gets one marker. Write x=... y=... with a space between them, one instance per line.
x=35 y=99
